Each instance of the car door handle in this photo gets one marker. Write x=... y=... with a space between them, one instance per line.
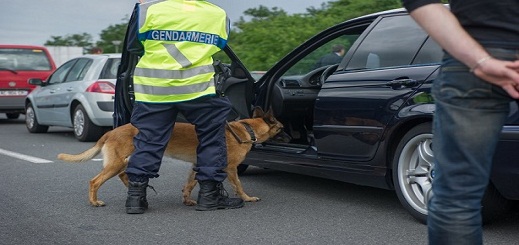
x=70 y=89
x=402 y=83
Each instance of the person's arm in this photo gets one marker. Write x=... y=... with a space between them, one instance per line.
x=445 y=29
x=134 y=46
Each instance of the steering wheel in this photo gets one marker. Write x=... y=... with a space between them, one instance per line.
x=327 y=72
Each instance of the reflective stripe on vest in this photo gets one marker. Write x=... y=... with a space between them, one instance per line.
x=177 y=55
x=188 y=89
x=172 y=74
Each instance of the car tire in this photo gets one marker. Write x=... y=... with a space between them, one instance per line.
x=31 y=122
x=412 y=177
x=241 y=168
x=84 y=129
x=12 y=115
x=412 y=165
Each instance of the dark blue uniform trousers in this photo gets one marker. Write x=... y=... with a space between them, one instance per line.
x=155 y=122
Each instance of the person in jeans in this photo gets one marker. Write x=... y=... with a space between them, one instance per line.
x=478 y=78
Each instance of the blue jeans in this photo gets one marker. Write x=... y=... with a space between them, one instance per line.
x=469 y=116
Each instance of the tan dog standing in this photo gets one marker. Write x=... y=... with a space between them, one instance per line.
x=117 y=146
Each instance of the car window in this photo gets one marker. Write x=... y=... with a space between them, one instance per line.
x=61 y=73
x=430 y=53
x=324 y=54
x=78 y=71
x=17 y=59
x=110 y=69
x=394 y=41
x=84 y=71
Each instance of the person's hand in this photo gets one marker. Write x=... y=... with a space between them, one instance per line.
x=501 y=73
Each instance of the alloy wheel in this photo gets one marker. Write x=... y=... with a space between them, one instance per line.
x=79 y=122
x=415 y=173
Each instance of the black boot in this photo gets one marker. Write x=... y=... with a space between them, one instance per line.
x=136 y=202
x=213 y=196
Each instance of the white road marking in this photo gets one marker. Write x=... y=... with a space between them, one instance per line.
x=23 y=157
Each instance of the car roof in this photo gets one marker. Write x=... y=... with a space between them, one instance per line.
x=97 y=56
x=376 y=14
x=22 y=46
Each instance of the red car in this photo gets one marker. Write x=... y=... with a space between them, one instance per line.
x=18 y=63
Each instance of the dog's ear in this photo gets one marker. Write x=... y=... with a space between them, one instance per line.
x=257 y=112
x=269 y=116
x=270 y=112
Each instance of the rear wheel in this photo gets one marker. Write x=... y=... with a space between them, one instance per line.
x=31 y=122
x=12 y=115
x=84 y=128
x=413 y=175
x=494 y=205
x=412 y=166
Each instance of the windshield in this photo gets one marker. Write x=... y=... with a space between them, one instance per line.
x=17 y=59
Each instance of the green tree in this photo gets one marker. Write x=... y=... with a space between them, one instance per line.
x=272 y=33
x=111 y=38
x=262 y=41
x=79 y=40
x=347 y=9
x=107 y=37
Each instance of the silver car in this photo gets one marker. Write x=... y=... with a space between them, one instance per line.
x=79 y=95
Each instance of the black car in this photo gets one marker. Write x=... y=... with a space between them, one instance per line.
x=366 y=120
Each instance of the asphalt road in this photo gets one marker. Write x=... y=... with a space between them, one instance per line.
x=45 y=201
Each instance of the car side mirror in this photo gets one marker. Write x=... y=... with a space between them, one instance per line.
x=36 y=81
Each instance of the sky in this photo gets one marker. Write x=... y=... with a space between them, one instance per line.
x=33 y=22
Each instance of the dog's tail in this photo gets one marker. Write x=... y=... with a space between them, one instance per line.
x=86 y=155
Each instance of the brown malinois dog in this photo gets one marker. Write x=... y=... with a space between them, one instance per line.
x=117 y=146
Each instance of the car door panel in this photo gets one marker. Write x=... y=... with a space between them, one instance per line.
x=353 y=108
x=355 y=104
x=43 y=101
x=47 y=99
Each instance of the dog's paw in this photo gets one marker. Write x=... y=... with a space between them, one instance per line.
x=189 y=202
x=252 y=199
x=97 y=203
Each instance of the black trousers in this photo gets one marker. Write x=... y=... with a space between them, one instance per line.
x=155 y=122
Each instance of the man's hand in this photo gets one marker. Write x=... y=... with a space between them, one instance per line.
x=501 y=73
x=443 y=27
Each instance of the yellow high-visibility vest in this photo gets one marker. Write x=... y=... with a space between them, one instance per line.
x=179 y=39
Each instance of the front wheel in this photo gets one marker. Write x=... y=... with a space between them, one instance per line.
x=31 y=122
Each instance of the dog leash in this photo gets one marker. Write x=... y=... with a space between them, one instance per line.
x=249 y=130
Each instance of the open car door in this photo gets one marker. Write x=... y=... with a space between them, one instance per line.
x=238 y=87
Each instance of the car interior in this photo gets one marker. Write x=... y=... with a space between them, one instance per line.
x=293 y=95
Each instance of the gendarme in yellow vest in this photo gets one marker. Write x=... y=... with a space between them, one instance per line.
x=179 y=39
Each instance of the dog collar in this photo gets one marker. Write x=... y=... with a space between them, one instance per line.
x=248 y=127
